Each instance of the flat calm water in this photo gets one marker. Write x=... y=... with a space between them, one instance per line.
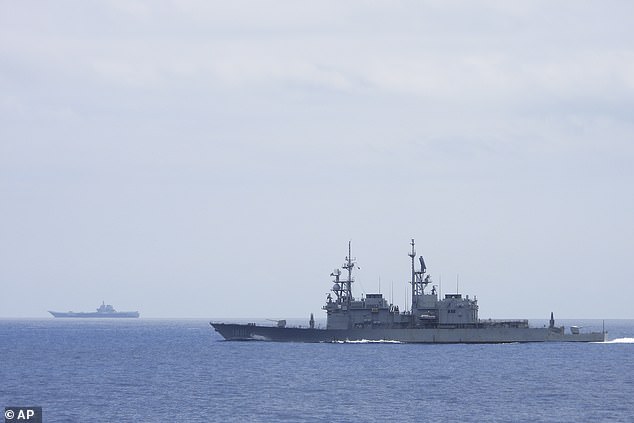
x=145 y=370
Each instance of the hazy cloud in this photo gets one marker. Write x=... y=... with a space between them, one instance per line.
x=202 y=158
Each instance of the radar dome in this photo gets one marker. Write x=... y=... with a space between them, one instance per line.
x=336 y=287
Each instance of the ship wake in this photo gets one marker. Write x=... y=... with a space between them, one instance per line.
x=619 y=341
x=259 y=338
x=368 y=341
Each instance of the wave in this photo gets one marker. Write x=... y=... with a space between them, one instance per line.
x=259 y=338
x=368 y=341
x=619 y=341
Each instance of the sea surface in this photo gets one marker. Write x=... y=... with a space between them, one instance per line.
x=147 y=370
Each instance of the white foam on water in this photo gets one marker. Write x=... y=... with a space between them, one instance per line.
x=369 y=341
x=619 y=341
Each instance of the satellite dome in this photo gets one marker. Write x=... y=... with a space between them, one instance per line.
x=336 y=287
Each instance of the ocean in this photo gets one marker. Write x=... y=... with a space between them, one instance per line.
x=153 y=370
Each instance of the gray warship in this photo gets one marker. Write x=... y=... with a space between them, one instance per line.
x=104 y=310
x=452 y=319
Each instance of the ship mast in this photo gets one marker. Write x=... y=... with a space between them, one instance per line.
x=413 y=282
x=349 y=265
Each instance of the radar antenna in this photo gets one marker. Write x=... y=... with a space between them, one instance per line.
x=419 y=281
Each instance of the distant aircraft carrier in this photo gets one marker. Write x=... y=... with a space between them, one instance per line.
x=452 y=319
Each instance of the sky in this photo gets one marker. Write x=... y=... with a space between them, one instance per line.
x=212 y=159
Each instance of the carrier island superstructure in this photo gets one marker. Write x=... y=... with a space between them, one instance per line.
x=430 y=319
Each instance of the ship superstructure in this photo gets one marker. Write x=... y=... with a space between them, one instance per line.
x=452 y=319
x=426 y=310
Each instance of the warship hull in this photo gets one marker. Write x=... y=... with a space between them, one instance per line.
x=475 y=335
